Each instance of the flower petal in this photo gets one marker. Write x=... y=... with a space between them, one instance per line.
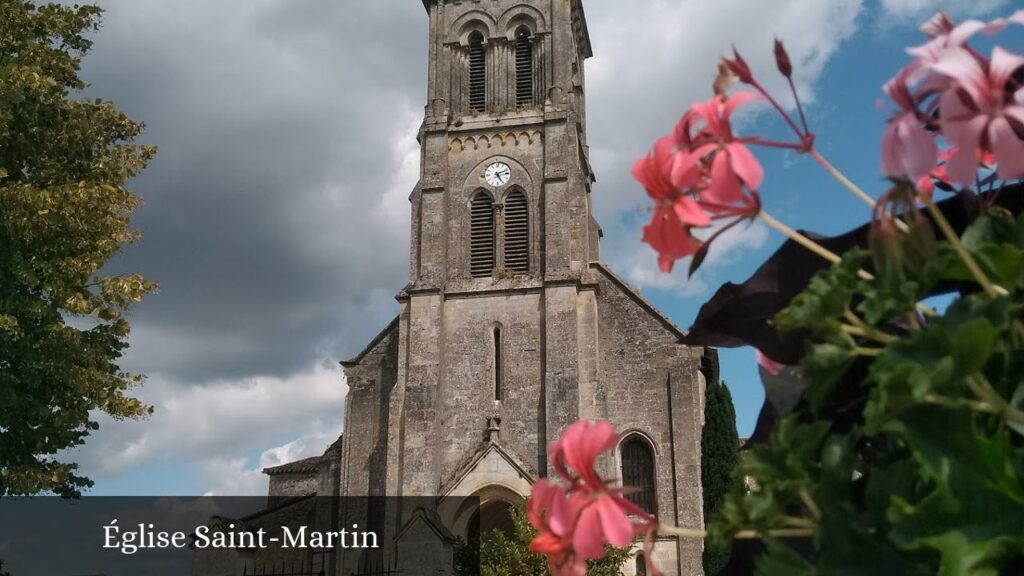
x=736 y=100
x=770 y=366
x=690 y=213
x=963 y=166
x=745 y=165
x=617 y=527
x=961 y=66
x=1002 y=67
x=588 y=539
x=725 y=186
x=686 y=168
x=1009 y=149
x=918 y=149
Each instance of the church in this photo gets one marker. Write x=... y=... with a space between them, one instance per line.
x=510 y=327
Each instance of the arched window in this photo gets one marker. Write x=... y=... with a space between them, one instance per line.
x=517 y=232
x=638 y=472
x=477 y=73
x=524 y=67
x=641 y=565
x=481 y=235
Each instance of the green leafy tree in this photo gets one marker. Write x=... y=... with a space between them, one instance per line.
x=719 y=446
x=498 y=554
x=64 y=212
x=2 y=571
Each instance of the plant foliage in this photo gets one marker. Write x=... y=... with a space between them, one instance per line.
x=498 y=554
x=64 y=212
x=930 y=479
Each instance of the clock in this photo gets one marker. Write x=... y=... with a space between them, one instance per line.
x=497 y=174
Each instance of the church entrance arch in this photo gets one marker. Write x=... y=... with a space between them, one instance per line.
x=490 y=509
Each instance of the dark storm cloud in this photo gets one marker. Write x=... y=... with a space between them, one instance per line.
x=278 y=126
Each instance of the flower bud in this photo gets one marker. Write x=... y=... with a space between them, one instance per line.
x=724 y=80
x=739 y=67
x=782 y=59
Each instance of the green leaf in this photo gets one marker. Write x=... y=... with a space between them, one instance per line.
x=973 y=515
x=823 y=366
x=781 y=560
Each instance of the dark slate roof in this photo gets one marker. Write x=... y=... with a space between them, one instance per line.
x=306 y=465
x=311 y=464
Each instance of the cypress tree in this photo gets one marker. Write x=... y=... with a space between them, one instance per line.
x=719 y=445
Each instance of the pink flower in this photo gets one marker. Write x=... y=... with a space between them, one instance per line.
x=908 y=150
x=574 y=455
x=552 y=513
x=652 y=171
x=982 y=110
x=576 y=522
x=705 y=139
x=669 y=239
x=945 y=35
x=675 y=214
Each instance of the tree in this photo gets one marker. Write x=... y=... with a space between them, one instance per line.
x=498 y=554
x=719 y=444
x=64 y=212
x=2 y=571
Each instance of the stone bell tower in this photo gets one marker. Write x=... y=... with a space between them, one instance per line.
x=510 y=328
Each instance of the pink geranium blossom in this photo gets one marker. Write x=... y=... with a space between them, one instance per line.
x=983 y=110
x=576 y=522
x=550 y=510
x=705 y=138
x=908 y=150
x=675 y=214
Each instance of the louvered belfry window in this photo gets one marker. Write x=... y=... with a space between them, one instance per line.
x=517 y=232
x=638 y=472
x=524 y=68
x=481 y=236
x=477 y=73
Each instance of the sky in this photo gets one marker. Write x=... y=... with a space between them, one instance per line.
x=276 y=218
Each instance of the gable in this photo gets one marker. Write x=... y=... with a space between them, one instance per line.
x=637 y=300
x=490 y=465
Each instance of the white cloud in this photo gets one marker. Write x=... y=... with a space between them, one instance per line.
x=235 y=477
x=910 y=9
x=208 y=430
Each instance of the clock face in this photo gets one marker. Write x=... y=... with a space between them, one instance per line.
x=497 y=174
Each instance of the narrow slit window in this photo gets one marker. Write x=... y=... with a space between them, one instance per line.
x=524 y=68
x=477 y=73
x=517 y=232
x=498 y=365
x=638 y=472
x=481 y=236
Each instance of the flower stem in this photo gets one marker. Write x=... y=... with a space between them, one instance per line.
x=988 y=394
x=694 y=534
x=947 y=230
x=811 y=505
x=858 y=327
x=839 y=176
x=799 y=238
